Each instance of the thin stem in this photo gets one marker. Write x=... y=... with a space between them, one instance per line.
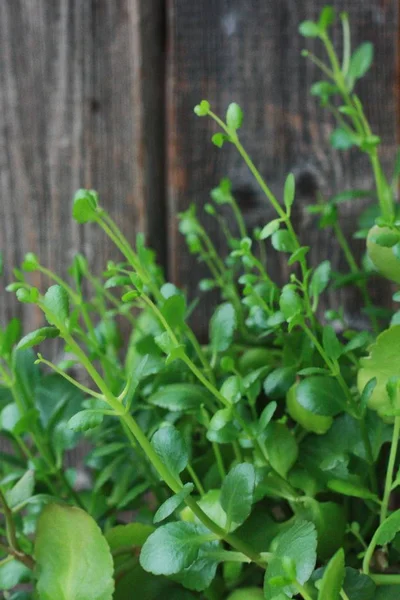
x=390 y=470
x=74 y=382
x=383 y=579
x=346 y=43
x=196 y=480
x=10 y=526
x=302 y=591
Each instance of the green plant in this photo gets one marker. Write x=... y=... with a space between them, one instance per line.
x=262 y=464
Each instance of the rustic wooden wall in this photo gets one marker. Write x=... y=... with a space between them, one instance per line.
x=101 y=94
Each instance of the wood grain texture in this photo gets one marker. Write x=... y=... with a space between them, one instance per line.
x=250 y=52
x=81 y=105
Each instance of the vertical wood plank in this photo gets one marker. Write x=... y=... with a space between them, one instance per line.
x=250 y=52
x=81 y=105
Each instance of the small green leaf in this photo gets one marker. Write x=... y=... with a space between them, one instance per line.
x=266 y=417
x=173 y=310
x=281 y=447
x=173 y=503
x=321 y=395
x=179 y=397
x=289 y=191
x=202 y=109
x=234 y=116
x=22 y=490
x=218 y=139
x=347 y=488
x=278 y=382
x=170 y=447
x=73 y=558
x=222 y=327
x=13 y=573
x=10 y=336
x=298 y=255
x=237 y=494
x=361 y=60
x=320 y=278
x=85 y=420
x=133 y=534
x=290 y=302
x=341 y=139
x=36 y=337
x=327 y=17
x=30 y=263
x=309 y=29
x=56 y=301
x=333 y=578
x=331 y=344
x=282 y=241
x=388 y=529
x=269 y=229
x=85 y=206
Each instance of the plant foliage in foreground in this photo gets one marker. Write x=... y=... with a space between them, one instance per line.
x=262 y=464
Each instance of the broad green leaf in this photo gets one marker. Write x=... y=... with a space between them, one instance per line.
x=56 y=301
x=13 y=573
x=73 y=558
x=172 y=548
x=22 y=490
x=321 y=395
x=222 y=327
x=85 y=420
x=289 y=191
x=237 y=494
x=290 y=302
x=200 y=574
x=281 y=447
x=84 y=206
x=133 y=534
x=347 y=488
x=170 y=446
x=309 y=29
x=278 y=382
x=298 y=543
x=179 y=397
x=234 y=116
x=320 y=278
x=37 y=336
x=361 y=60
x=382 y=364
x=56 y=399
x=388 y=529
x=333 y=577
x=282 y=241
x=173 y=503
x=331 y=344
x=173 y=310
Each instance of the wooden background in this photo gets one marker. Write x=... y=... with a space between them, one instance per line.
x=100 y=94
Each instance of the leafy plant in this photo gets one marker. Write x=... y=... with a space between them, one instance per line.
x=263 y=464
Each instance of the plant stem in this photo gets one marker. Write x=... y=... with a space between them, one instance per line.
x=390 y=469
x=389 y=579
x=196 y=480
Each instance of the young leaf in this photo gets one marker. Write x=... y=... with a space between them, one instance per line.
x=266 y=417
x=388 y=529
x=171 y=448
x=331 y=344
x=341 y=139
x=309 y=29
x=361 y=60
x=278 y=382
x=348 y=488
x=202 y=109
x=234 y=116
x=30 y=263
x=327 y=17
x=290 y=302
x=320 y=278
x=85 y=206
x=174 y=310
x=12 y=573
x=321 y=395
x=222 y=327
x=269 y=229
x=333 y=578
x=281 y=447
x=173 y=503
x=298 y=543
x=73 y=558
x=22 y=490
x=9 y=336
x=282 y=241
x=172 y=548
x=57 y=302
x=237 y=494
x=85 y=420
x=36 y=337
x=289 y=191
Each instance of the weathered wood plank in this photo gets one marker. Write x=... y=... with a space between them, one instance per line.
x=250 y=52
x=81 y=105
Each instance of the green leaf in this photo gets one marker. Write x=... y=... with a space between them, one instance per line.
x=9 y=336
x=202 y=109
x=282 y=241
x=309 y=29
x=320 y=278
x=278 y=382
x=85 y=206
x=298 y=543
x=331 y=344
x=289 y=191
x=234 y=116
x=170 y=446
x=173 y=310
x=327 y=17
x=298 y=255
x=231 y=389
x=266 y=417
x=281 y=447
x=221 y=428
x=133 y=534
x=179 y=397
x=22 y=490
x=358 y=586
x=388 y=529
x=73 y=558
x=269 y=229
x=237 y=494
x=290 y=302
x=321 y=395
x=85 y=420
x=218 y=139
x=247 y=594
x=172 y=548
x=333 y=578
x=56 y=301
x=222 y=327
x=173 y=503
x=347 y=488
x=36 y=337
x=30 y=262
x=341 y=139
x=361 y=60
x=13 y=573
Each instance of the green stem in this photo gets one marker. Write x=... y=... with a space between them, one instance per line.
x=385 y=579
x=196 y=480
x=390 y=470
x=302 y=591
